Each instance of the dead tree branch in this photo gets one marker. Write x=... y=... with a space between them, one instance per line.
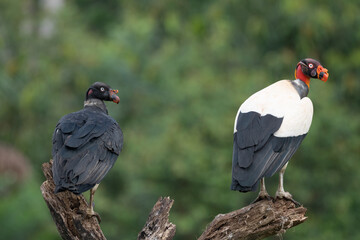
x=256 y=221
x=67 y=210
x=158 y=225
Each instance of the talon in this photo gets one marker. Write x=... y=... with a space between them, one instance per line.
x=261 y=197
x=90 y=213
x=263 y=194
x=287 y=196
x=98 y=217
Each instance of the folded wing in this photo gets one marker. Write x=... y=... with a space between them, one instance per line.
x=85 y=148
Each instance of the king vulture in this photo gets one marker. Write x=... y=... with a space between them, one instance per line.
x=86 y=144
x=269 y=127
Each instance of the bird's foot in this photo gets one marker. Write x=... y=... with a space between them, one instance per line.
x=287 y=196
x=263 y=196
x=91 y=213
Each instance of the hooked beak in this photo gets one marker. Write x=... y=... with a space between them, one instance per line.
x=113 y=96
x=322 y=73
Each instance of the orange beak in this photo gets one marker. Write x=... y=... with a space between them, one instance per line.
x=322 y=73
x=113 y=96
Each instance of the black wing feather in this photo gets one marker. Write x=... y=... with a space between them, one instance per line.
x=286 y=148
x=253 y=131
x=257 y=152
x=86 y=145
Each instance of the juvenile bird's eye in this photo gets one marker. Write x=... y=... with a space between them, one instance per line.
x=102 y=89
x=311 y=65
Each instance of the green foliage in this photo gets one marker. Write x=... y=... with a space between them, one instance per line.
x=182 y=68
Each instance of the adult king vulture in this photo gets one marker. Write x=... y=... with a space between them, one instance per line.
x=86 y=144
x=269 y=127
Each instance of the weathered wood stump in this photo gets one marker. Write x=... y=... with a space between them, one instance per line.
x=256 y=221
x=67 y=210
x=158 y=225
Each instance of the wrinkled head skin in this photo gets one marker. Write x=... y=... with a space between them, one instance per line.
x=103 y=92
x=313 y=69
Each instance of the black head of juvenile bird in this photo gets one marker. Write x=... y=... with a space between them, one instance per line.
x=103 y=92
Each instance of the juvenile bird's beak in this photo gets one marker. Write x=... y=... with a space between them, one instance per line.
x=113 y=96
x=322 y=73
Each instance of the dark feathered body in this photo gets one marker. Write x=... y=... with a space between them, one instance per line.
x=86 y=145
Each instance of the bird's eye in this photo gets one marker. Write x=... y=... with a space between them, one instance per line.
x=102 y=89
x=311 y=65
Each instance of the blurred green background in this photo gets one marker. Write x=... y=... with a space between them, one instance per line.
x=182 y=69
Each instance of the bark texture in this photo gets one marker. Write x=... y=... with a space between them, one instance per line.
x=68 y=211
x=256 y=221
x=158 y=225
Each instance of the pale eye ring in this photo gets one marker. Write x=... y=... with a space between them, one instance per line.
x=102 y=89
x=311 y=65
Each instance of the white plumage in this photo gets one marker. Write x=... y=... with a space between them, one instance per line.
x=270 y=126
x=281 y=100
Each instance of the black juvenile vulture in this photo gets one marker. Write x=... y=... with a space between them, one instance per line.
x=269 y=127
x=86 y=144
